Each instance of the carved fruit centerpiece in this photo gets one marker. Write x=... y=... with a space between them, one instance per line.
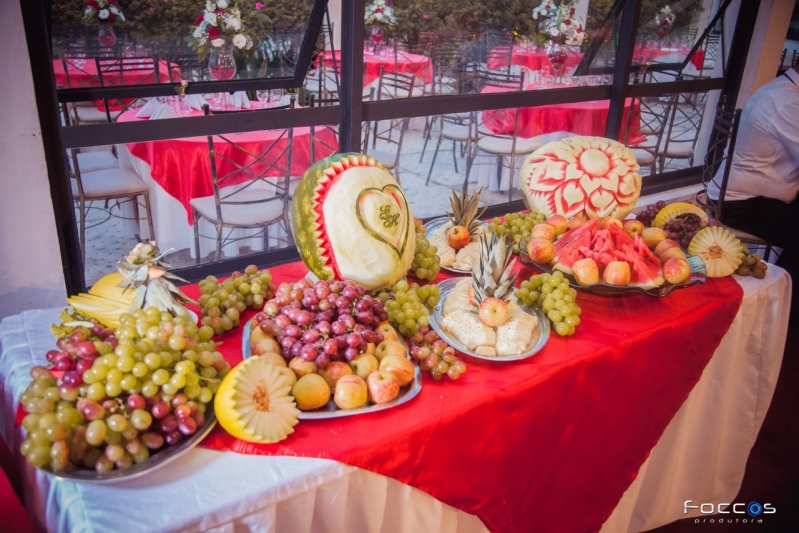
x=351 y=220
x=482 y=312
x=456 y=241
x=585 y=177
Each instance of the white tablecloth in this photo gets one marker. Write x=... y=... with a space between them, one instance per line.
x=701 y=456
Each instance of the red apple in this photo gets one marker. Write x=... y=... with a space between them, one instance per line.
x=351 y=392
x=493 y=312
x=458 y=237
x=364 y=364
x=606 y=222
x=670 y=253
x=577 y=220
x=585 y=271
x=543 y=231
x=632 y=226
x=676 y=270
x=541 y=251
x=400 y=366
x=652 y=236
x=383 y=386
x=335 y=371
x=664 y=245
x=559 y=223
x=617 y=273
x=387 y=348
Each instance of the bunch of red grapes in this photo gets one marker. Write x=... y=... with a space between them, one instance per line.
x=435 y=355
x=680 y=229
x=323 y=321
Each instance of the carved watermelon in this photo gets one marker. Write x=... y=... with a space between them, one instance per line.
x=351 y=220
x=591 y=175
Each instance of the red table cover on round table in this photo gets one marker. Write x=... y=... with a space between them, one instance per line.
x=85 y=74
x=583 y=118
x=549 y=443
x=182 y=167
x=404 y=62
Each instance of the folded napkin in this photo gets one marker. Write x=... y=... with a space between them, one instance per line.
x=194 y=101
x=165 y=111
x=240 y=100
x=149 y=108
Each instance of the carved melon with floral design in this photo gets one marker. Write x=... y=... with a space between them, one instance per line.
x=591 y=175
x=351 y=220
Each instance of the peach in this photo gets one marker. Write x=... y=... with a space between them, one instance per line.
x=676 y=270
x=617 y=273
x=266 y=345
x=559 y=223
x=606 y=222
x=577 y=220
x=400 y=366
x=301 y=367
x=585 y=271
x=541 y=251
x=664 y=245
x=652 y=236
x=543 y=231
x=671 y=252
x=632 y=226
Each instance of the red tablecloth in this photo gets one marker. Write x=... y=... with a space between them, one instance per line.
x=404 y=62
x=583 y=118
x=650 y=53
x=549 y=443
x=85 y=74
x=182 y=167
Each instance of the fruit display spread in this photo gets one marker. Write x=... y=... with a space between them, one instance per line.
x=482 y=313
x=456 y=241
x=115 y=395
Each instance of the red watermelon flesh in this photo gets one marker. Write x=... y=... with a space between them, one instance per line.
x=587 y=229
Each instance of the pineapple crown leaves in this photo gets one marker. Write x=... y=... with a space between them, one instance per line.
x=492 y=275
x=143 y=271
x=465 y=210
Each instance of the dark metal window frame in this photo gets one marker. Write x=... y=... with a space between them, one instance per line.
x=349 y=114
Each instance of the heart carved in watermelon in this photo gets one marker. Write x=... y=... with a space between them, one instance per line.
x=351 y=220
x=594 y=176
x=605 y=246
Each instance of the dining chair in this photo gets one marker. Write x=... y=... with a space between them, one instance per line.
x=319 y=144
x=716 y=171
x=458 y=128
x=685 y=122
x=74 y=60
x=116 y=185
x=125 y=71
x=323 y=82
x=652 y=115
x=250 y=188
x=712 y=45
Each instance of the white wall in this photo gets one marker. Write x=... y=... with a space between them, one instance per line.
x=30 y=262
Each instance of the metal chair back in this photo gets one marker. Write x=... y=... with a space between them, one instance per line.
x=116 y=72
x=719 y=152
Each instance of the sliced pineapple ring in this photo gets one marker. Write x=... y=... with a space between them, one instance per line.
x=253 y=402
x=719 y=249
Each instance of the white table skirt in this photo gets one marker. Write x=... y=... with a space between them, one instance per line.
x=701 y=455
x=170 y=220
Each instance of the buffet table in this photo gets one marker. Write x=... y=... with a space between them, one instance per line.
x=647 y=459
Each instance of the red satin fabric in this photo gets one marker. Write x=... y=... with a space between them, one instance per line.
x=583 y=118
x=86 y=75
x=538 y=60
x=546 y=444
x=182 y=167
x=644 y=55
x=13 y=516
x=405 y=62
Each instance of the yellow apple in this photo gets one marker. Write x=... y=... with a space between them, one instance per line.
x=386 y=348
x=400 y=366
x=311 y=392
x=364 y=364
x=335 y=371
x=351 y=392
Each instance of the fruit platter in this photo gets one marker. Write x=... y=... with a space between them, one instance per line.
x=382 y=382
x=455 y=237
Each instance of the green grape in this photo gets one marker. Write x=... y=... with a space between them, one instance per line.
x=555 y=316
x=562 y=328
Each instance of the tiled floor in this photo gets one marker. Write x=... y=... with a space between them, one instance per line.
x=110 y=241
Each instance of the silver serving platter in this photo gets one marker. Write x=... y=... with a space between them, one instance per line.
x=406 y=393
x=536 y=344
x=432 y=226
x=697 y=275
x=157 y=460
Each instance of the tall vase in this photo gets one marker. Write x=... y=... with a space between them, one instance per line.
x=221 y=63
x=558 y=56
x=106 y=35
x=377 y=35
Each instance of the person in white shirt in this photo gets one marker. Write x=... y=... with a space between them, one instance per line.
x=764 y=174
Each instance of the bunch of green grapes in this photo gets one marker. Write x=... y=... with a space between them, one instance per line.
x=552 y=293
x=147 y=388
x=426 y=262
x=409 y=306
x=224 y=302
x=516 y=225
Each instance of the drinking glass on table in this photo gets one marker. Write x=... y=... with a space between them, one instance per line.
x=275 y=97
x=263 y=97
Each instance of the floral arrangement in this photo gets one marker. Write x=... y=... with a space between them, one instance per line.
x=103 y=11
x=665 y=18
x=380 y=12
x=219 y=21
x=558 y=22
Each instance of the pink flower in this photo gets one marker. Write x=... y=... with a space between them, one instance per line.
x=567 y=22
x=152 y=9
x=425 y=17
x=258 y=6
x=571 y=11
x=378 y=10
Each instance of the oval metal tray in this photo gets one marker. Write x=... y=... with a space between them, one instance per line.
x=603 y=289
x=406 y=394
x=535 y=344
x=431 y=227
x=157 y=460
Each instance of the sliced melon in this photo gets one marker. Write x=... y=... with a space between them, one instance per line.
x=108 y=287
x=672 y=211
x=719 y=249
x=253 y=402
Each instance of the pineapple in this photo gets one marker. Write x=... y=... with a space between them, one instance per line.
x=464 y=218
x=493 y=279
x=145 y=273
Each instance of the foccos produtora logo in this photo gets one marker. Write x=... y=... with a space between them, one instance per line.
x=752 y=512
